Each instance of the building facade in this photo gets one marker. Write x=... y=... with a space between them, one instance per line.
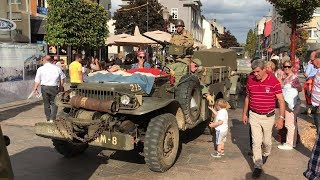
x=280 y=34
x=19 y=12
x=190 y=12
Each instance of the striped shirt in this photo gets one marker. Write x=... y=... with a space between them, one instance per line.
x=262 y=94
x=315 y=96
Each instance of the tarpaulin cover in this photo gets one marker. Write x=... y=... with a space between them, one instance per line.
x=144 y=77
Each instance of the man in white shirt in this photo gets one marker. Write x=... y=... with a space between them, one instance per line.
x=51 y=78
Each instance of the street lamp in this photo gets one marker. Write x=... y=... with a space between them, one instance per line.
x=165 y=15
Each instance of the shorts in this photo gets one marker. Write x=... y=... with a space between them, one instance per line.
x=221 y=136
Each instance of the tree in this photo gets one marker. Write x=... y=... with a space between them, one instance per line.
x=148 y=17
x=295 y=12
x=302 y=37
x=76 y=23
x=227 y=40
x=251 y=42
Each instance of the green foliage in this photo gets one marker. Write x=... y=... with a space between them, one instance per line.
x=251 y=42
x=129 y=16
x=227 y=40
x=76 y=23
x=302 y=9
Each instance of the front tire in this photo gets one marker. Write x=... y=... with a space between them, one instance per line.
x=68 y=149
x=161 y=142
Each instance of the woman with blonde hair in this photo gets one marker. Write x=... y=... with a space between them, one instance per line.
x=291 y=88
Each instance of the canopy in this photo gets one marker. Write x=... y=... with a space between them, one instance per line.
x=136 y=39
x=111 y=40
x=159 y=35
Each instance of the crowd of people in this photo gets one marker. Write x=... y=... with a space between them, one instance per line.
x=276 y=83
x=270 y=85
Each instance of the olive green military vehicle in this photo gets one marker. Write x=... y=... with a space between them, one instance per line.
x=5 y=164
x=119 y=115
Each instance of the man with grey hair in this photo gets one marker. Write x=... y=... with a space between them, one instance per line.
x=313 y=170
x=51 y=79
x=263 y=89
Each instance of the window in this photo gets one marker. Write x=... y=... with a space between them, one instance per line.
x=174 y=13
x=14 y=1
x=16 y=16
x=317 y=12
x=172 y=28
x=312 y=33
x=41 y=3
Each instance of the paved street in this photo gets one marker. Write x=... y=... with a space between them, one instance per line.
x=34 y=157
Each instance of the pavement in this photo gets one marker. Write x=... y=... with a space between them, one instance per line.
x=33 y=157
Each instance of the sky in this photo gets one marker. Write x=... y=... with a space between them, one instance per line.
x=238 y=16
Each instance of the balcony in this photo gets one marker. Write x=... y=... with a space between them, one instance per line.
x=42 y=10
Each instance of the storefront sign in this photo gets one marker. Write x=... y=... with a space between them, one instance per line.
x=7 y=25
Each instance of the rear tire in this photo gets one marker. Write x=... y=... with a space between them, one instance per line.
x=68 y=149
x=161 y=142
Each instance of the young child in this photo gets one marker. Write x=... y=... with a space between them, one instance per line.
x=220 y=123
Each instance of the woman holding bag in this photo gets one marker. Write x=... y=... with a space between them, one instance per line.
x=291 y=88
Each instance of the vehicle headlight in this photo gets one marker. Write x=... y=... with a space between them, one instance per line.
x=125 y=99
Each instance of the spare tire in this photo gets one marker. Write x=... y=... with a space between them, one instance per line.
x=188 y=94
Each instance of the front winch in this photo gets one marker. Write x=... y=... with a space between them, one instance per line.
x=109 y=106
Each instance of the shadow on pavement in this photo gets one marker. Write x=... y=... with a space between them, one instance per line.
x=263 y=176
x=12 y=112
x=34 y=163
x=240 y=137
x=133 y=156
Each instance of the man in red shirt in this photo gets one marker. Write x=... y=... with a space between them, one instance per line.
x=263 y=89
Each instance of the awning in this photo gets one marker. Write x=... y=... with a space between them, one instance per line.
x=111 y=40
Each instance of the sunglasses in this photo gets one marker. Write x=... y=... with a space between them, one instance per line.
x=141 y=57
x=286 y=67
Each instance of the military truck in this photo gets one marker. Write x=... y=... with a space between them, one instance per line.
x=5 y=164
x=121 y=114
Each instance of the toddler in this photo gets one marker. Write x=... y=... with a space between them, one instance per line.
x=220 y=123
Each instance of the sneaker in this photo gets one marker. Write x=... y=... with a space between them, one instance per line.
x=216 y=155
x=50 y=121
x=264 y=159
x=285 y=146
x=222 y=153
x=256 y=173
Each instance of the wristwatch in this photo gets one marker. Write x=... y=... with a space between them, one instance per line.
x=281 y=117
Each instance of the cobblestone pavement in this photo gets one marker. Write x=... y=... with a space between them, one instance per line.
x=34 y=157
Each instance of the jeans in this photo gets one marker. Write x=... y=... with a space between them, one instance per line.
x=316 y=118
x=48 y=94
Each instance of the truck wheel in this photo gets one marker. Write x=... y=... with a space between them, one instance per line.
x=68 y=149
x=188 y=93
x=233 y=101
x=161 y=142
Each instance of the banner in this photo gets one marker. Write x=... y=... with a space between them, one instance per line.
x=20 y=61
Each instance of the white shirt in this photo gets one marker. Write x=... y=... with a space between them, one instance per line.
x=222 y=116
x=49 y=75
x=315 y=95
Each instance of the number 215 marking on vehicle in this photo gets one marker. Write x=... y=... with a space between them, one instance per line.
x=135 y=87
